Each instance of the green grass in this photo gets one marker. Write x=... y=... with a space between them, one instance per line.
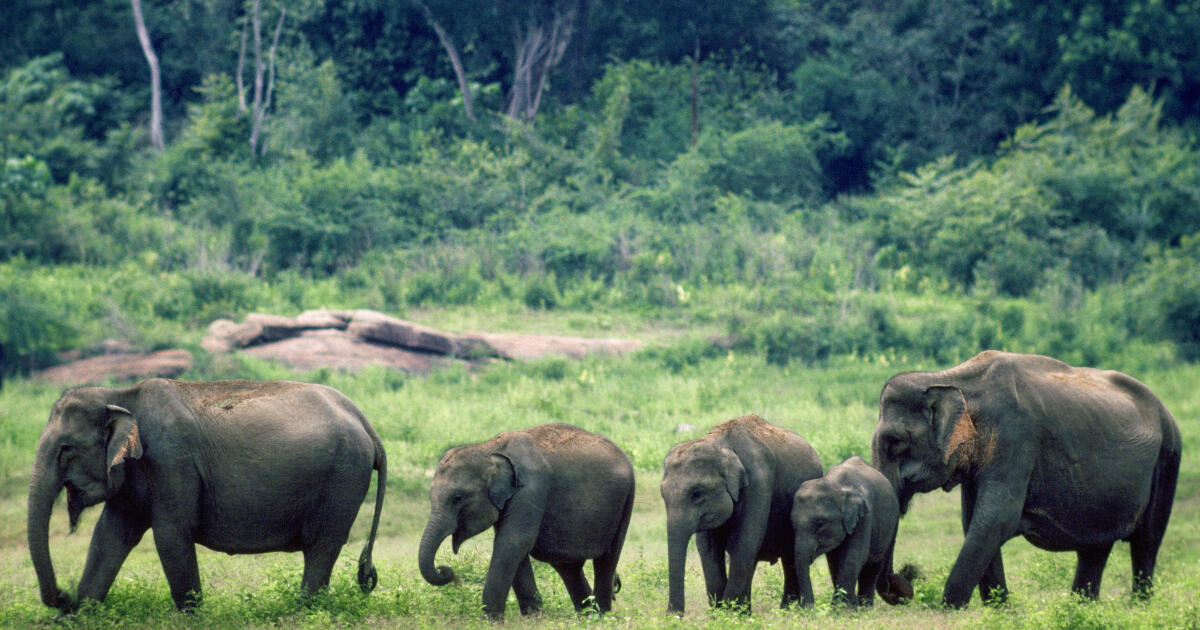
x=642 y=405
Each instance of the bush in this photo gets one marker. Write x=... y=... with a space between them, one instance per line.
x=1166 y=296
x=33 y=326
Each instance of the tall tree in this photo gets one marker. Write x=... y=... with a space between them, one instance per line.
x=447 y=42
x=540 y=38
x=156 y=115
x=264 y=74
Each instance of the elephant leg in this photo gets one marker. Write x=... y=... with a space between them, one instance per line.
x=791 y=582
x=318 y=566
x=711 y=547
x=526 y=590
x=114 y=536
x=576 y=583
x=177 y=552
x=604 y=572
x=743 y=549
x=844 y=568
x=1143 y=552
x=511 y=546
x=994 y=520
x=1089 y=568
x=604 y=567
x=1145 y=540
x=992 y=585
x=866 y=583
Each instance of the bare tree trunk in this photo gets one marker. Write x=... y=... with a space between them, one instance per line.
x=537 y=50
x=264 y=85
x=241 y=65
x=156 y=115
x=455 y=59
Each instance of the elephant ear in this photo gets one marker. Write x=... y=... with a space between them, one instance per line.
x=124 y=442
x=520 y=455
x=734 y=472
x=954 y=427
x=853 y=511
x=504 y=485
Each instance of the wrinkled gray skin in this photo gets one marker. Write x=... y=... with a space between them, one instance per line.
x=553 y=492
x=733 y=488
x=236 y=466
x=1073 y=459
x=850 y=516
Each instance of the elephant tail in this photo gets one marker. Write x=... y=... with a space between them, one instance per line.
x=367 y=576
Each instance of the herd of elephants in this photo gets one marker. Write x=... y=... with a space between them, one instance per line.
x=1070 y=458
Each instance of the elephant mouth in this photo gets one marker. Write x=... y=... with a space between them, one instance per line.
x=75 y=505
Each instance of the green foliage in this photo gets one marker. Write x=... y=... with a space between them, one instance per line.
x=1165 y=297
x=33 y=324
x=47 y=114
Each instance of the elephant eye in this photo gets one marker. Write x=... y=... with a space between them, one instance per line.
x=697 y=495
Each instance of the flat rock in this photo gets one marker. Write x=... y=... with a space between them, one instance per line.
x=120 y=367
x=380 y=328
x=313 y=349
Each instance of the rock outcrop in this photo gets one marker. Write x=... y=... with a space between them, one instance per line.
x=119 y=367
x=353 y=339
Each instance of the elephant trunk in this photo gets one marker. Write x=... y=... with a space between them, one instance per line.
x=435 y=532
x=677 y=544
x=44 y=486
x=888 y=466
x=804 y=555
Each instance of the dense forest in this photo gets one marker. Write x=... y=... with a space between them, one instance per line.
x=800 y=178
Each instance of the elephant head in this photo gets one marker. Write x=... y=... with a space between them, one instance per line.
x=83 y=448
x=823 y=516
x=471 y=486
x=701 y=483
x=927 y=437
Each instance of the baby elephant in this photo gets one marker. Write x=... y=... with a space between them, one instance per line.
x=554 y=492
x=850 y=515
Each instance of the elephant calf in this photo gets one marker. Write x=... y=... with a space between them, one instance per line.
x=850 y=515
x=733 y=488
x=554 y=492
x=236 y=466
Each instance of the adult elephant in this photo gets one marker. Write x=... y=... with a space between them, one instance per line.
x=1073 y=459
x=733 y=488
x=236 y=466
x=553 y=492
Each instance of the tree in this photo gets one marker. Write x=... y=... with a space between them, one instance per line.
x=264 y=73
x=447 y=42
x=539 y=41
x=538 y=33
x=156 y=115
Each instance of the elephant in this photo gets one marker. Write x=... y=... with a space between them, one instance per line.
x=850 y=515
x=733 y=488
x=236 y=466
x=1071 y=458
x=554 y=492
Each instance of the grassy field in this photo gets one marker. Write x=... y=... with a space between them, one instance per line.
x=645 y=403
